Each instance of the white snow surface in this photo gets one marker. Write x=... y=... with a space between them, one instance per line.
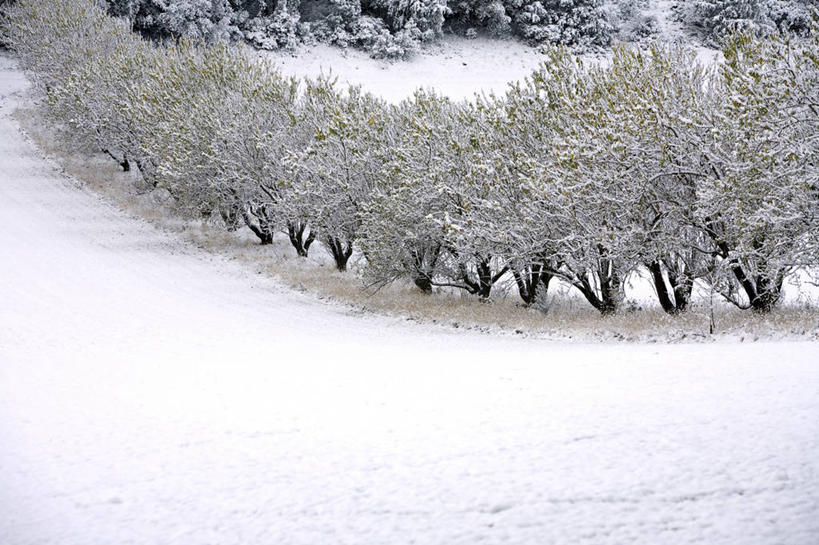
x=154 y=394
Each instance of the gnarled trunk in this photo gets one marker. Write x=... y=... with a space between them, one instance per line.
x=295 y=231
x=601 y=286
x=531 y=280
x=423 y=262
x=260 y=221
x=675 y=294
x=485 y=278
x=341 y=251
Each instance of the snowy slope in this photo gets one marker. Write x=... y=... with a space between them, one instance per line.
x=150 y=393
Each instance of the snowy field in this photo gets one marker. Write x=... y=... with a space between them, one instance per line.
x=154 y=394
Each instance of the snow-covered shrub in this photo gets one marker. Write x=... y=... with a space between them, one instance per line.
x=212 y=122
x=568 y=22
x=207 y=20
x=92 y=101
x=470 y=16
x=372 y=35
x=401 y=232
x=630 y=9
x=280 y=30
x=652 y=114
x=427 y=16
x=631 y=21
x=793 y=16
x=582 y=203
x=722 y=16
x=719 y=17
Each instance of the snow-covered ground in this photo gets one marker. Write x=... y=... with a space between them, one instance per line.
x=152 y=393
x=457 y=67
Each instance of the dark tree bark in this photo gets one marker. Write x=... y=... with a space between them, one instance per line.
x=424 y=260
x=259 y=220
x=674 y=295
x=124 y=163
x=295 y=230
x=485 y=278
x=666 y=302
x=682 y=284
x=763 y=291
x=341 y=251
x=531 y=280
x=604 y=293
x=423 y=283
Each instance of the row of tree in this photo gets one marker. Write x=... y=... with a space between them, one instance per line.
x=580 y=172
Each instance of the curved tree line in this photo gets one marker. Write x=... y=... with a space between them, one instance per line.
x=581 y=172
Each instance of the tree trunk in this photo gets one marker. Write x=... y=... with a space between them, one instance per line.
x=529 y=279
x=124 y=162
x=423 y=283
x=675 y=293
x=295 y=230
x=661 y=287
x=340 y=251
x=482 y=286
x=424 y=260
x=768 y=292
x=682 y=284
x=607 y=298
x=262 y=227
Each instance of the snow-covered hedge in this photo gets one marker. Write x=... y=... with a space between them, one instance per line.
x=581 y=173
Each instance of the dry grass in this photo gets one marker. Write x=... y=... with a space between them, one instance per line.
x=567 y=317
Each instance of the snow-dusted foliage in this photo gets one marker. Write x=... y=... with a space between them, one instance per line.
x=424 y=16
x=422 y=224
x=588 y=174
x=470 y=16
x=569 y=22
x=757 y=198
x=339 y=168
x=720 y=17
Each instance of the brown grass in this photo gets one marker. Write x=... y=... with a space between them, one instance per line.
x=567 y=318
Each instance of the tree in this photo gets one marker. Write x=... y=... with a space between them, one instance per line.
x=420 y=224
x=566 y=22
x=340 y=167
x=758 y=202
x=655 y=109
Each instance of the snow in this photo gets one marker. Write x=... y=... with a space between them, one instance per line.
x=456 y=67
x=153 y=393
